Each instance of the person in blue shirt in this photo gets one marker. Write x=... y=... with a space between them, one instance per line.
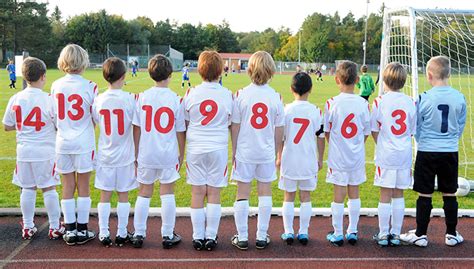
x=441 y=117
x=134 y=68
x=12 y=74
x=185 y=71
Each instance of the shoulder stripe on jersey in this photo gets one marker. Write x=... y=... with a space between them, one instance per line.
x=136 y=96
x=187 y=92
x=376 y=103
x=181 y=100
x=328 y=104
x=95 y=88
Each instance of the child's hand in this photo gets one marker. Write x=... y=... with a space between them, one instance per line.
x=181 y=159
x=278 y=163
x=320 y=165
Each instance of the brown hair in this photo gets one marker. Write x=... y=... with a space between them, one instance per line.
x=73 y=59
x=346 y=72
x=159 y=68
x=210 y=65
x=394 y=76
x=33 y=69
x=439 y=67
x=363 y=69
x=261 y=67
x=113 y=69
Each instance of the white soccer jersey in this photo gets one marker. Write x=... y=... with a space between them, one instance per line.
x=207 y=108
x=159 y=116
x=113 y=111
x=259 y=110
x=73 y=98
x=303 y=122
x=347 y=119
x=31 y=112
x=394 y=118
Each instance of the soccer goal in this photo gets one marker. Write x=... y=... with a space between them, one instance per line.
x=413 y=36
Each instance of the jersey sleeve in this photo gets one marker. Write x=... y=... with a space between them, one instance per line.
x=180 y=123
x=184 y=101
x=462 y=117
x=420 y=106
x=136 y=114
x=327 y=117
x=8 y=117
x=374 y=116
x=280 y=114
x=372 y=85
x=236 y=113
x=95 y=113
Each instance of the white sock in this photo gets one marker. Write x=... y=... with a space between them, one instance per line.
x=337 y=210
x=168 y=215
x=142 y=206
x=83 y=209
x=241 y=217
x=354 y=213
x=51 y=202
x=104 y=215
x=123 y=212
x=398 y=213
x=68 y=207
x=28 y=203
x=288 y=215
x=198 y=220
x=264 y=214
x=306 y=210
x=384 y=211
x=213 y=217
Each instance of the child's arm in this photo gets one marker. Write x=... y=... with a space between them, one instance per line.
x=321 y=147
x=372 y=85
x=234 y=135
x=462 y=119
x=375 y=135
x=278 y=140
x=181 y=136
x=8 y=128
x=279 y=153
x=9 y=118
x=136 y=139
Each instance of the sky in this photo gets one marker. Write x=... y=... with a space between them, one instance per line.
x=242 y=15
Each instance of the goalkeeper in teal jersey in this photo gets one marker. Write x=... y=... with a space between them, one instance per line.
x=365 y=84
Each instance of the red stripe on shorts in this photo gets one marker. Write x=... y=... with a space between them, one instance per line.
x=54 y=168
x=225 y=171
x=93 y=155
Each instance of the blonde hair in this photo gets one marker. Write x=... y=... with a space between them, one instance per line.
x=439 y=67
x=261 y=67
x=73 y=59
x=346 y=72
x=394 y=76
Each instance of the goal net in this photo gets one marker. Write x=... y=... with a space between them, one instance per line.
x=412 y=36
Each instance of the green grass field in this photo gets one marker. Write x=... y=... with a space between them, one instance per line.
x=322 y=197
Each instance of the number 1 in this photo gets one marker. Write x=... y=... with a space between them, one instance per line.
x=444 y=117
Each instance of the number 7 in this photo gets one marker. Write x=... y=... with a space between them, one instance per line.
x=304 y=125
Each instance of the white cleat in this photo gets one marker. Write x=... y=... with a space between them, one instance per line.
x=411 y=238
x=452 y=240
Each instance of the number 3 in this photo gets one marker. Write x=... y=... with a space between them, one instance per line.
x=400 y=121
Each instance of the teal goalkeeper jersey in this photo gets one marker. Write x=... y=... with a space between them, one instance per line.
x=366 y=85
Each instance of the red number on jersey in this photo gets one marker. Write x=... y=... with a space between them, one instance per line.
x=157 y=121
x=400 y=121
x=208 y=115
x=107 y=120
x=35 y=112
x=348 y=124
x=77 y=106
x=304 y=125
x=259 y=110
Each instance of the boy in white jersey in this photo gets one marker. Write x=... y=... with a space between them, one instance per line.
x=347 y=126
x=393 y=122
x=207 y=111
x=159 y=133
x=257 y=133
x=75 y=140
x=30 y=113
x=113 y=112
x=301 y=157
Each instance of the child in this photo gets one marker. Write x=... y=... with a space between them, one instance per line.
x=159 y=130
x=207 y=110
x=12 y=74
x=299 y=156
x=134 y=68
x=347 y=125
x=319 y=75
x=441 y=115
x=75 y=141
x=257 y=133
x=30 y=113
x=366 y=84
x=113 y=112
x=185 y=75
x=393 y=122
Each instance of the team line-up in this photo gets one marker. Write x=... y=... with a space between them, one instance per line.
x=143 y=140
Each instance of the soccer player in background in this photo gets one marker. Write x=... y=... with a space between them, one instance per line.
x=30 y=113
x=441 y=118
x=393 y=122
x=365 y=84
x=185 y=75
x=113 y=111
x=347 y=126
x=301 y=157
x=134 y=68
x=159 y=134
x=207 y=111
x=257 y=133
x=11 y=74
x=73 y=97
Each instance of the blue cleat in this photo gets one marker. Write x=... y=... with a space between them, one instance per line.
x=336 y=240
x=382 y=240
x=288 y=238
x=303 y=239
x=394 y=240
x=352 y=238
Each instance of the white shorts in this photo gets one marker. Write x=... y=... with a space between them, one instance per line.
x=291 y=185
x=207 y=168
x=121 y=179
x=80 y=163
x=344 y=178
x=246 y=172
x=36 y=174
x=393 y=178
x=151 y=175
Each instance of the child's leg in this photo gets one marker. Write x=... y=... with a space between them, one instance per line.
x=398 y=211
x=337 y=208
x=198 y=214
x=241 y=210
x=142 y=206
x=213 y=212
x=83 y=200
x=384 y=210
x=123 y=212
x=289 y=212
x=51 y=202
x=27 y=204
x=103 y=207
x=182 y=83
x=68 y=204
x=423 y=213
x=354 y=208
x=264 y=209
x=168 y=209
x=306 y=210
x=450 y=207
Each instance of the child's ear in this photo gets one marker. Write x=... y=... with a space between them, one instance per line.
x=337 y=80
x=357 y=80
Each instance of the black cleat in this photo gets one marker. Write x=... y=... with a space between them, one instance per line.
x=198 y=244
x=262 y=244
x=242 y=245
x=120 y=241
x=137 y=241
x=70 y=237
x=106 y=241
x=171 y=242
x=84 y=236
x=211 y=244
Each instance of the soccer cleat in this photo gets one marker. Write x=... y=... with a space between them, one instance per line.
x=198 y=244
x=288 y=238
x=262 y=244
x=84 y=236
x=303 y=239
x=137 y=241
x=411 y=238
x=210 y=244
x=382 y=240
x=352 y=238
x=453 y=240
x=70 y=237
x=54 y=234
x=242 y=245
x=28 y=233
x=120 y=241
x=336 y=240
x=394 y=240
x=171 y=242
x=105 y=240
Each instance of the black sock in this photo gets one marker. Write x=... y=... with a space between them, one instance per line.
x=189 y=84
x=423 y=212
x=182 y=84
x=70 y=226
x=450 y=214
x=82 y=226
